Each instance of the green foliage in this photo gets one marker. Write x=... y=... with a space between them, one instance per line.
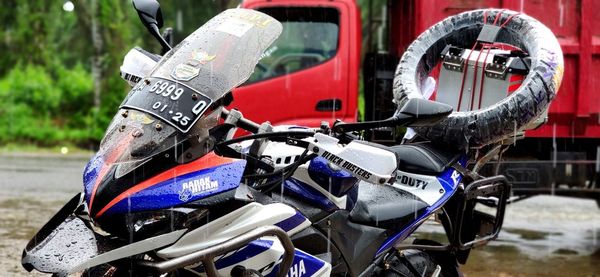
x=45 y=107
x=46 y=85
x=31 y=86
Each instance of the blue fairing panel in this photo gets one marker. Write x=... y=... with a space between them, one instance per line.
x=90 y=173
x=304 y=265
x=450 y=179
x=183 y=189
x=337 y=182
x=305 y=192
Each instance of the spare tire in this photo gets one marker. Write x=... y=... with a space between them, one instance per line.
x=496 y=122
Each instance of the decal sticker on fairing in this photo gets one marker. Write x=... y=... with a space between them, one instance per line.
x=257 y=19
x=425 y=187
x=185 y=72
x=234 y=27
x=455 y=177
x=202 y=57
x=297 y=269
x=196 y=187
x=346 y=165
x=411 y=182
x=191 y=68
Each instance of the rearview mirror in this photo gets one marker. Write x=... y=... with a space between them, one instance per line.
x=424 y=112
x=150 y=14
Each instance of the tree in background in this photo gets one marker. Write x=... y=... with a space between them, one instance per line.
x=59 y=70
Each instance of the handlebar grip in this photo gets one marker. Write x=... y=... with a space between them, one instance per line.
x=248 y=125
x=242 y=122
x=360 y=126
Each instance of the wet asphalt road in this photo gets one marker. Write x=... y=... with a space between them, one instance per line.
x=542 y=236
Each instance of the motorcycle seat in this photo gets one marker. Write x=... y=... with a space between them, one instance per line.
x=424 y=158
x=421 y=158
x=386 y=207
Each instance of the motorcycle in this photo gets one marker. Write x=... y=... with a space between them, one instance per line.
x=172 y=192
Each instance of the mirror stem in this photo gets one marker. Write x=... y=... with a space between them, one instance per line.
x=156 y=33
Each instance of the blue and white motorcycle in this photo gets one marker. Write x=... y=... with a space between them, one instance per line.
x=172 y=193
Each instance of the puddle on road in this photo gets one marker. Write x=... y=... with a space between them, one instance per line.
x=19 y=220
x=31 y=191
x=529 y=234
x=509 y=260
x=542 y=236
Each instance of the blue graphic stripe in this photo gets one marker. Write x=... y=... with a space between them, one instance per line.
x=303 y=265
x=292 y=222
x=253 y=249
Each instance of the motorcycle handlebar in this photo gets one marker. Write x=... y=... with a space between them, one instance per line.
x=242 y=122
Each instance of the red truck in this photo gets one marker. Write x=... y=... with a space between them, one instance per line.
x=312 y=72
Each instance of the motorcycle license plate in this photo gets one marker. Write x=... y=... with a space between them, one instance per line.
x=173 y=102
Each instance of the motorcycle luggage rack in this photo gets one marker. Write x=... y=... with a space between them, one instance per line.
x=489 y=225
x=206 y=256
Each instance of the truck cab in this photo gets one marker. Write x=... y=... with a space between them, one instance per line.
x=311 y=73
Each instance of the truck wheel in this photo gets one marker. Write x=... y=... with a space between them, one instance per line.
x=491 y=124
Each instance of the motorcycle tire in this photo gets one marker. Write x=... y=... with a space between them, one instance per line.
x=496 y=122
x=409 y=263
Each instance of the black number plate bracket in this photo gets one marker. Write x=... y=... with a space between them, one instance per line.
x=173 y=102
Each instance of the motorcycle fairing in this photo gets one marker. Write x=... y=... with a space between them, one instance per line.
x=336 y=181
x=449 y=179
x=305 y=265
x=68 y=244
x=265 y=255
x=182 y=184
x=301 y=190
x=305 y=187
x=242 y=255
x=173 y=110
x=293 y=224
x=238 y=222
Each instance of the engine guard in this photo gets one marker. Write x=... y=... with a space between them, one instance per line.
x=67 y=243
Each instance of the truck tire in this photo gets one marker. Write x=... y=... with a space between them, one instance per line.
x=494 y=123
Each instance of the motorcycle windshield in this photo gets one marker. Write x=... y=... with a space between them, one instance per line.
x=180 y=98
x=222 y=53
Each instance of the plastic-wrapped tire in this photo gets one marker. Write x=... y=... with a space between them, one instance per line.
x=488 y=125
